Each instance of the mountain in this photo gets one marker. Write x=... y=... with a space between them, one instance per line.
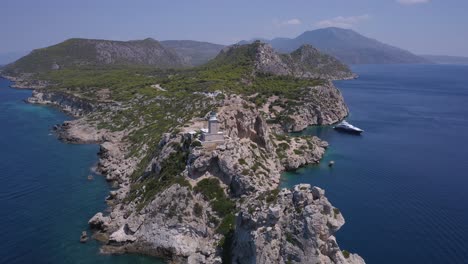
x=348 y=46
x=195 y=52
x=92 y=52
x=443 y=59
x=261 y=59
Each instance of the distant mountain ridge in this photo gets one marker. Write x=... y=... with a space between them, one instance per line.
x=445 y=59
x=194 y=52
x=93 y=52
x=347 y=46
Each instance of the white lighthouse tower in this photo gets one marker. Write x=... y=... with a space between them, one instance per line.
x=213 y=124
x=213 y=134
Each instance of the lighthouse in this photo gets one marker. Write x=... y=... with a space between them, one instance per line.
x=213 y=134
x=213 y=124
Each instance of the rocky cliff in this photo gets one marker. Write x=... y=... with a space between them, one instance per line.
x=296 y=226
x=305 y=62
x=248 y=220
x=68 y=103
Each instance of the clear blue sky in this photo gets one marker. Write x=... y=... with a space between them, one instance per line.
x=421 y=26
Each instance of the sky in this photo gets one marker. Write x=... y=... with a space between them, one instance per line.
x=420 y=26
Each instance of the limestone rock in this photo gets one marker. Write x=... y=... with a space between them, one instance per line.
x=99 y=221
x=301 y=233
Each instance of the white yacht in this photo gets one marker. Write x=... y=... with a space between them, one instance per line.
x=347 y=127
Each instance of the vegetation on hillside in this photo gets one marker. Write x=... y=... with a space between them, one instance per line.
x=76 y=53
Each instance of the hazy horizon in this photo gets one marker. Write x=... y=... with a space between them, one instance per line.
x=420 y=26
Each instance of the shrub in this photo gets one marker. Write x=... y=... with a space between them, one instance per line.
x=227 y=224
x=290 y=238
x=210 y=188
x=336 y=212
x=256 y=166
x=223 y=206
x=283 y=146
x=242 y=162
x=198 y=210
x=272 y=196
x=346 y=253
x=196 y=143
x=298 y=152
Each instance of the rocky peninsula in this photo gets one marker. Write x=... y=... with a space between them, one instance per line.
x=191 y=201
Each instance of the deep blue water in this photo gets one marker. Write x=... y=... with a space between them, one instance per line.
x=403 y=185
x=45 y=196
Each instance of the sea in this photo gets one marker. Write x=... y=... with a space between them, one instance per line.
x=402 y=185
x=46 y=198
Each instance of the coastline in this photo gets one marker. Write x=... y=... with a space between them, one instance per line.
x=116 y=168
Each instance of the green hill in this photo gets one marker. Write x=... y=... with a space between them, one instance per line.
x=91 y=52
x=261 y=58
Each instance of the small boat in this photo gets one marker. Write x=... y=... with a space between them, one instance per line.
x=347 y=127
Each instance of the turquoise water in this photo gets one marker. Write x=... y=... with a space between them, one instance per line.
x=403 y=185
x=45 y=196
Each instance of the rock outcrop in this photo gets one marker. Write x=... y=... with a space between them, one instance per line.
x=296 y=226
x=305 y=62
x=67 y=103
x=180 y=224
x=24 y=81
x=169 y=227
x=321 y=105
x=318 y=105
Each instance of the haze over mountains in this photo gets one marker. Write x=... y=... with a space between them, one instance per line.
x=348 y=46
x=443 y=59
x=195 y=52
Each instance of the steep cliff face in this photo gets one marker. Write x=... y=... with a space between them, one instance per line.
x=318 y=105
x=68 y=103
x=321 y=105
x=296 y=226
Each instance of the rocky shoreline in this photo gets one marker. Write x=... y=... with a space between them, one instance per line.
x=272 y=226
